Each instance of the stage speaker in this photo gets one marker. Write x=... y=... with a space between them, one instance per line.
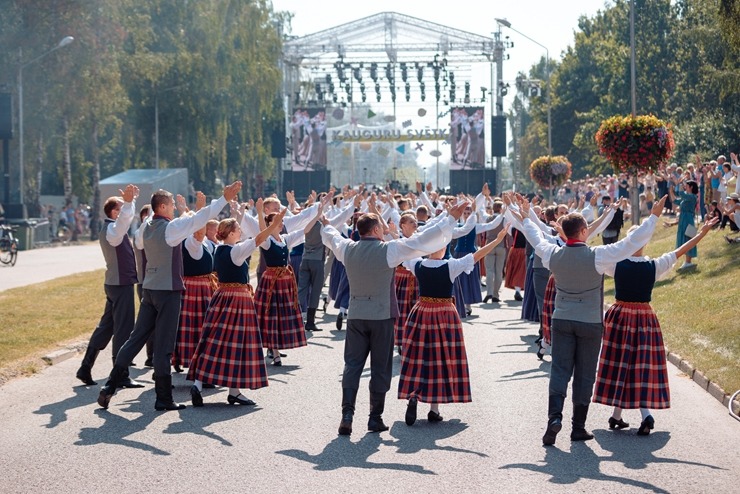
x=498 y=136
x=278 y=143
x=302 y=183
x=6 y=116
x=471 y=181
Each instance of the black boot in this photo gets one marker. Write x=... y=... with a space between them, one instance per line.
x=116 y=376
x=579 y=433
x=84 y=373
x=348 y=411
x=554 y=419
x=149 y=362
x=311 y=320
x=127 y=382
x=163 y=389
x=377 y=405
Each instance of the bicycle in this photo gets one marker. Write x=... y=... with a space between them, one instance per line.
x=8 y=245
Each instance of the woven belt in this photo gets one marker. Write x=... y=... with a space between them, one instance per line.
x=435 y=300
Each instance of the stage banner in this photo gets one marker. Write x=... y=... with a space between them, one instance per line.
x=468 y=142
x=308 y=139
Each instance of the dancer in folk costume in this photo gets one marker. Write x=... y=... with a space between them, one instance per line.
x=632 y=369
x=434 y=364
x=229 y=352
x=339 y=283
x=276 y=298
x=197 y=263
x=407 y=289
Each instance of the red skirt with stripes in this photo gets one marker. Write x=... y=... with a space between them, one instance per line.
x=229 y=352
x=434 y=364
x=516 y=268
x=632 y=367
x=548 y=306
x=407 y=293
x=195 y=300
x=278 y=312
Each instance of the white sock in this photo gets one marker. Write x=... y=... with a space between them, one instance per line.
x=517 y=289
x=617 y=415
x=198 y=384
x=645 y=413
x=343 y=311
x=235 y=391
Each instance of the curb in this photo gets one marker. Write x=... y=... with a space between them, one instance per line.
x=704 y=382
x=66 y=353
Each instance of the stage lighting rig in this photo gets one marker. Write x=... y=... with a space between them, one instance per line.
x=408 y=92
x=467 y=92
x=362 y=92
x=419 y=72
x=377 y=91
x=503 y=88
x=436 y=90
x=484 y=91
x=339 y=65
x=404 y=72
x=422 y=86
x=389 y=73
x=357 y=72
x=374 y=72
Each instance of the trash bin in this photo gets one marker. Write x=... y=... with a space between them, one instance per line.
x=24 y=233
x=41 y=232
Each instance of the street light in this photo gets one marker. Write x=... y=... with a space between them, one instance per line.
x=505 y=23
x=156 y=122
x=64 y=42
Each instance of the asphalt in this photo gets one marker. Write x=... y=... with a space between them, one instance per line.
x=54 y=437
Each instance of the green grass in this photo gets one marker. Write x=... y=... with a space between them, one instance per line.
x=698 y=309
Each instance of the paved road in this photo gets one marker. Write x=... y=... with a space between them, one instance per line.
x=35 y=266
x=54 y=438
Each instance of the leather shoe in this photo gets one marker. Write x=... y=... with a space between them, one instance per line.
x=580 y=435
x=340 y=318
x=489 y=298
x=195 y=396
x=518 y=297
x=496 y=300
x=241 y=400
x=311 y=327
x=85 y=376
x=411 y=411
x=646 y=426
x=345 y=426
x=129 y=383
x=553 y=427
x=375 y=424
x=104 y=397
x=177 y=368
x=434 y=417
x=617 y=424
x=277 y=362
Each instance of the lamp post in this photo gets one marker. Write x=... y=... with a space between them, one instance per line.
x=64 y=42
x=505 y=23
x=156 y=121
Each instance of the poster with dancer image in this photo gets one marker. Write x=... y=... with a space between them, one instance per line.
x=468 y=138
x=308 y=139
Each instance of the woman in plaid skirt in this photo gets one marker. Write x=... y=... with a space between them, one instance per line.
x=229 y=352
x=632 y=369
x=434 y=364
x=276 y=297
x=407 y=290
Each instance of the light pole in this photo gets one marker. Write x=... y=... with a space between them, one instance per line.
x=505 y=23
x=156 y=121
x=64 y=42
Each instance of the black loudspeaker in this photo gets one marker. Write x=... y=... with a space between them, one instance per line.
x=498 y=136
x=278 y=143
x=15 y=211
x=6 y=116
x=302 y=183
x=471 y=181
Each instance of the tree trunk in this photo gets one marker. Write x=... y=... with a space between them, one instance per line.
x=634 y=199
x=67 y=164
x=95 y=213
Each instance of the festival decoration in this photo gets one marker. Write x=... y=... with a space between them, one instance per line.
x=548 y=171
x=640 y=143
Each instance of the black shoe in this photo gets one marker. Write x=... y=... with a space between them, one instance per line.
x=84 y=374
x=241 y=400
x=518 y=297
x=105 y=395
x=345 y=426
x=580 y=435
x=195 y=396
x=434 y=417
x=340 y=318
x=496 y=300
x=129 y=383
x=646 y=426
x=177 y=368
x=488 y=298
x=326 y=304
x=208 y=386
x=148 y=362
x=277 y=362
x=617 y=424
x=311 y=327
x=375 y=424
x=540 y=354
x=411 y=411
x=553 y=427
x=468 y=312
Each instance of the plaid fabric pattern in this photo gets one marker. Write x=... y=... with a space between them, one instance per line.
x=516 y=268
x=195 y=300
x=632 y=367
x=278 y=312
x=407 y=293
x=548 y=306
x=434 y=364
x=229 y=352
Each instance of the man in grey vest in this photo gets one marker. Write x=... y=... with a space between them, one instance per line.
x=370 y=265
x=159 y=312
x=577 y=321
x=496 y=259
x=117 y=321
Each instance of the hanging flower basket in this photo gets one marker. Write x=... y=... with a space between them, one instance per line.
x=640 y=143
x=549 y=171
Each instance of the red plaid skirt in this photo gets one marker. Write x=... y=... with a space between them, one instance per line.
x=434 y=364
x=278 y=312
x=632 y=366
x=229 y=352
x=516 y=268
x=195 y=300
x=548 y=306
x=407 y=293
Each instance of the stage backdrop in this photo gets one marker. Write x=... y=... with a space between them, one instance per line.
x=308 y=139
x=468 y=144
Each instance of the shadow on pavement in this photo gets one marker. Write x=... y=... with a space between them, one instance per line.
x=424 y=436
x=542 y=371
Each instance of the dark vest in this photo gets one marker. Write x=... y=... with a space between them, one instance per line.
x=227 y=271
x=634 y=281
x=196 y=267
x=466 y=243
x=371 y=281
x=276 y=256
x=163 y=263
x=580 y=288
x=434 y=282
x=120 y=262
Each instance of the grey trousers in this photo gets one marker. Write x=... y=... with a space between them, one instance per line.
x=310 y=282
x=540 y=277
x=575 y=352
x=117 y=320
x=368 y=337
x=495 y=262
x=159 y=314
